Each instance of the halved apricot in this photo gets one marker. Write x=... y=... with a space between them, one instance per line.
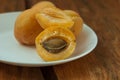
x=53 y=17
x=55 y=43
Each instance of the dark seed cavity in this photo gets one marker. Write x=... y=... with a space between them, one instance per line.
x=54 y=45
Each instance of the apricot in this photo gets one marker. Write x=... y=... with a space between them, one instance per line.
x=55 y=43
x=26 y=27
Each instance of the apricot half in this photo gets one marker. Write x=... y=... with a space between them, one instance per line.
x=53 y=17
x=55 y=43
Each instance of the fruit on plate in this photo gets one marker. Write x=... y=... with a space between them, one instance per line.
x=55 y=43
x=52 y=30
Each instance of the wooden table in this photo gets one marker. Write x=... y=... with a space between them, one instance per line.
x=101 y=64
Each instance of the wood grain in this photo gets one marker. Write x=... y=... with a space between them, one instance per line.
x=101 y=64
x=11 y=5
x=8 y=72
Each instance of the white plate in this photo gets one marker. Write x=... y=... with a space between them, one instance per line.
x=11 y=52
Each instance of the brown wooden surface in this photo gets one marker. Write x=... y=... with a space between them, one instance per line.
x=101 y=64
